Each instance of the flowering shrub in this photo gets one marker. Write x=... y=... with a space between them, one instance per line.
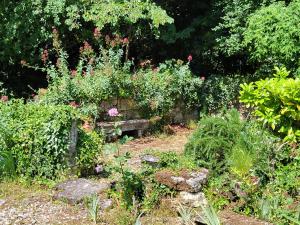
x=96 y=78
x=38 y=137
x=113 y=112
x=106 y=75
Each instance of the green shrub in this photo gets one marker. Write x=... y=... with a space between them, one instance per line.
x=157 y=91
x=271 y=36
x=276 y=102
x=38 y=137
x=219 y=92
x=218 y=139
x=89 y=147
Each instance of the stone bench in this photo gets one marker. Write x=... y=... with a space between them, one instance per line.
x=138 y=125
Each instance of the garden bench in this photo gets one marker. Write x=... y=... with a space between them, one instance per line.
x=138 y=125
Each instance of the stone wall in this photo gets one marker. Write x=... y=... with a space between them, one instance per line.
x=130 y=111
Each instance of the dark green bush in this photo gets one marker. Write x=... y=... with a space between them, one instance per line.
x=38 y=137
x=220 y=142
x=221 y=92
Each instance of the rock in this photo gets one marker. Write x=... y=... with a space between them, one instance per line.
x=105 y=204
x=169 y=130
x=75 y=191
x=150 y=159
x=2 y=202
x=192 y=199
x=188 y=181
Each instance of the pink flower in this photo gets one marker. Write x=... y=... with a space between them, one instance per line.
x=73 y=73
x=99 y=169
x=125 y=41
x=97 y=33
x=203 y=78
x=4 y=98
x=113 y=112
x=73 y=104
x=190 y=58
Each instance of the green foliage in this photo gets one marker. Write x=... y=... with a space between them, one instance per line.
x=89 y=147
x=38 y=138
x=130 y=188
x=272 y=34
x=176 y=162
x=277 y=200
x=219 y=92
x=276 y=102
x=157 y=92
x=93 y=207
x=210 y=216
x=233 y=23
x=41 y=16
x=125 y=11
x=219 y=138
x=270 y=190
x=7 y=164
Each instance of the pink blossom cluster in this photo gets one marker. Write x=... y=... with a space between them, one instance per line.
x=113 y=112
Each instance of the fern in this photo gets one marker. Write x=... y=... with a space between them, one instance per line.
x=221 y=141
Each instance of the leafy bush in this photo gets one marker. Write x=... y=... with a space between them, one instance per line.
x=38 y=137
x=271 y=34
x=157 y=91
x=89 y=147
x=219 y=92
x=218 y=138
x=276 y=102
x=106 y=75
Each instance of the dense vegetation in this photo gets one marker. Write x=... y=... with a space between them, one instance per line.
x=61 y=61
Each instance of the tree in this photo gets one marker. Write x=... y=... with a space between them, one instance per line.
x=272 y=35
x=26 y=25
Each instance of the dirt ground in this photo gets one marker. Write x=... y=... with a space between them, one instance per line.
x=162 y=142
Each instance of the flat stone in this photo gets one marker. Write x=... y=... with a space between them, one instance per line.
x=150 y=159
x=188 y=181
x=75 y=191
x=194 y=200
x=106 y=204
